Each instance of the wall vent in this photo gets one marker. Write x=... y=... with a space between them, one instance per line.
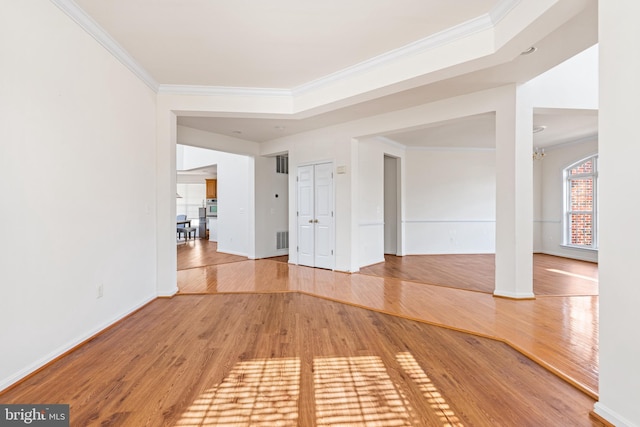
x=282 y=240
x=282 y=164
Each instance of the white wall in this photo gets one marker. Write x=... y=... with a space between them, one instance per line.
x=619 y=384
x=77 y=177
x=450 y=202
x=537 y=207
x=316 y=147
x=236 y=205
x=571 y=84
x=370 y=202
x=549 y=172
x=272 y=207
x=341 y=144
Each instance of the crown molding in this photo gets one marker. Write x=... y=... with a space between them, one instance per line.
x=502 y=9
x=466 y=29
x=433 y=41
x=71 y=9
x=223 y=90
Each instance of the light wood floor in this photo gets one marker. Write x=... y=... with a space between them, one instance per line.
x=552 y=276
x=559 y=332
x=296 y=360
x=265 y=343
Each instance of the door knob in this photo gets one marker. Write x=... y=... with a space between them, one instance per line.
x=310 y=221
x=316 y=221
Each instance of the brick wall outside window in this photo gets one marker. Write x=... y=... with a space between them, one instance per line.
x=581 y=207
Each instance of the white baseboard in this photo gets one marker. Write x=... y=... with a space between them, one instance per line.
x=575 y=255
x=169 y=294
x=611 y=416
x=514 y=295
x=225 y=251
x=7 y=382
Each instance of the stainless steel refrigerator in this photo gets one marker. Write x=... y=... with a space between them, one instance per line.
x=202 y=225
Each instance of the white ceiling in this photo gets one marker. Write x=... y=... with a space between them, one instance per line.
x=269 y=44
x=559 y=127
x=290 y=44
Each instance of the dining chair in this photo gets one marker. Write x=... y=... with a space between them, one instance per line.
x=180 y=229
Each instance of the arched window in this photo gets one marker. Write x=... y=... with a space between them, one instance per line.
x=581 y=204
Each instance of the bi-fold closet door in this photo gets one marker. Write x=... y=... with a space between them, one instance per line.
x=315 y=215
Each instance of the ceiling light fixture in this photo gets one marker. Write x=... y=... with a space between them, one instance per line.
x=529 y=51
x=538 y=129
x=538 y=154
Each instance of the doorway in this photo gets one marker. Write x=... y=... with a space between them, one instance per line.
x=392 y=205
x=315 y=215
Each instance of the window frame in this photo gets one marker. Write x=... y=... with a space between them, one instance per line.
x=567 y=179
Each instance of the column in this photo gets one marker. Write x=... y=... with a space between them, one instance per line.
x=619 y=252
x=514 y=196
x=167 y=263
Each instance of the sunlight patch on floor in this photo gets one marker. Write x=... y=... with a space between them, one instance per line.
x=256 y=393
x=357 y=391
x=429 y=390
x=566 y=273
x=348 y=391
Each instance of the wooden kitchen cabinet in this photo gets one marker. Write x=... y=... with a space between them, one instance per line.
x=212 y=188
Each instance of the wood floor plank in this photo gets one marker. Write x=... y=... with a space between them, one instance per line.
x=199 y=253
x=574 y=358
x=561 y=333
x=552 y=275
x=296 y=360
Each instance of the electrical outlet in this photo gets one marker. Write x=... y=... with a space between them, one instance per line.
x=100 y=290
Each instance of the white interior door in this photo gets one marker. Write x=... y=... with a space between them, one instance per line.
x=305 y=216
x=315 y=216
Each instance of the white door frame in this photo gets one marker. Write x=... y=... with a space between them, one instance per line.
x=317 y=227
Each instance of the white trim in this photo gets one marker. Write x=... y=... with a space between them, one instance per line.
x=423 y=148
x=468 y=28
x=223 y=91
x=390 y=141
x=502 y=9
x=580 y=248
x=580 y=256
x=611 y=416
x=371 y=224
x=173 y=291
x=566 y=231
x=439 y=221
x=71 y=9
x=7 y=382
x=514 y=295
x=244 y=254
